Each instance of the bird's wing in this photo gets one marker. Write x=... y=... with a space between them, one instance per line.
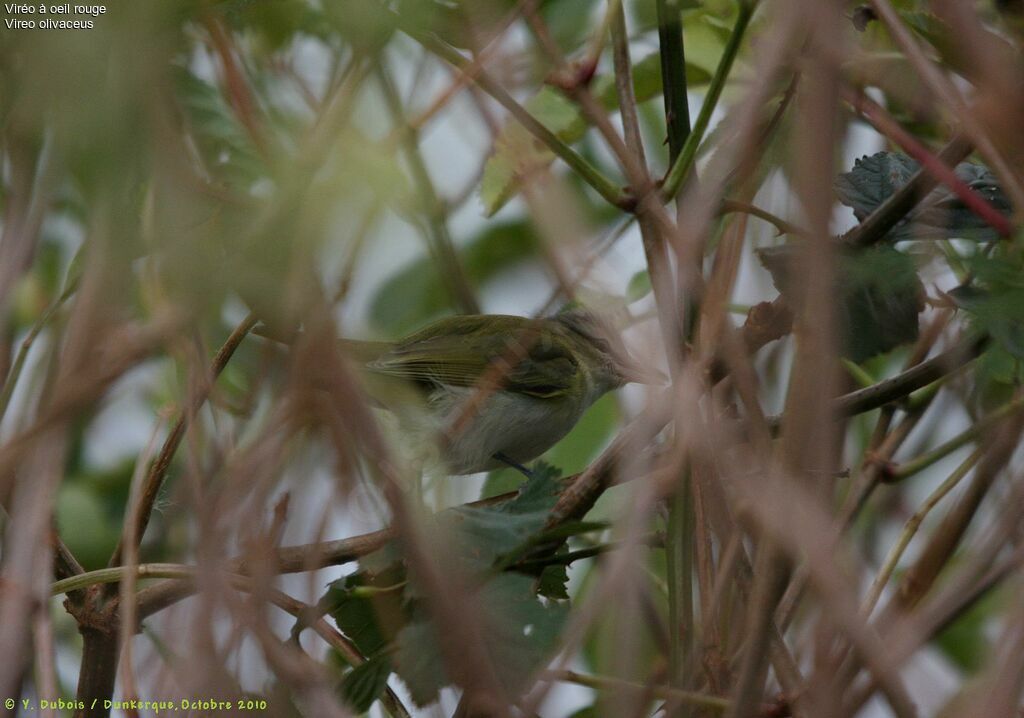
x=458 y=351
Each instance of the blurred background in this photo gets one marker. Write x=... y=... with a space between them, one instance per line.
x=185 y=170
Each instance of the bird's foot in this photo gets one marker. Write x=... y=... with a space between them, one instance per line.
x=514 y=464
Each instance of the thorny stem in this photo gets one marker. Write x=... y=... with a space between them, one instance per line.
x=673 y=75
x=680 y=524
x=688 y=154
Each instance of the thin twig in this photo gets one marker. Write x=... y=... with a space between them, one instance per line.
x=910 y=528
x=586 y=171
x=158 y=469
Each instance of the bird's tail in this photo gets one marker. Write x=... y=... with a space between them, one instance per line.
x=361 y=351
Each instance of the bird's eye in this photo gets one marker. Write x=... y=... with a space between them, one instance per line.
x=602 y=345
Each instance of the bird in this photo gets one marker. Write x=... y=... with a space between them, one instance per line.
x=493 y=390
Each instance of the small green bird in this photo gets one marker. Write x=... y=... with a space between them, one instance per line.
x=498 y=389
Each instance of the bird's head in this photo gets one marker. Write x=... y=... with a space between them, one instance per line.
x=601 y=348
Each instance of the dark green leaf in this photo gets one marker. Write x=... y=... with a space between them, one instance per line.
x=84 y=523
x=365 y=683
x=519 y=633
x=367 y=25
x=570 y=529
x=369 y=621
x=553 y=579
x=538 y=494
x=524 y=630
x=485 y=533
x=879 y=296
x=419 y=663
x=996 y=300
x=997 y=377
x=965 y=641
x=940 y=215
x=275 y=22
x=501 y=481
x=882 y=298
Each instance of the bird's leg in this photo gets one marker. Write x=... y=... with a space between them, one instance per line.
x=514 y=464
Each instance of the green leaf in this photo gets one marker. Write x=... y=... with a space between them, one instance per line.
x=639 y=286
x=997 y=377
x=965 y=641
x=365 y=683
x=553 y=579
x=879 y=296
x=369 y=621
x=519 y=634
x=601 y=650
x=486 y=533
x=570 y=529
x=500 y=481
x=704 y=39
x=940 y=215
x=525 y=630
x=538 y=493
x=417 y=292
x=498 y=183
x=567 y=21
x=999 y=314
x=274 y=22
x=366 y=25
x=996 y=312
x=227 y=151
x=882 y=298
x=519 y=154
x=84 y=524
x=995 y=301
x=419 y=663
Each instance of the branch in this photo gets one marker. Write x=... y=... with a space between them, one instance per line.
x=904 y=383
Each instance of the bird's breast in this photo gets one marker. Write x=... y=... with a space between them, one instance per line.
x=475 y=427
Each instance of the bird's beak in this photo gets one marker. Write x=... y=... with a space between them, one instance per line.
x=634 y=371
